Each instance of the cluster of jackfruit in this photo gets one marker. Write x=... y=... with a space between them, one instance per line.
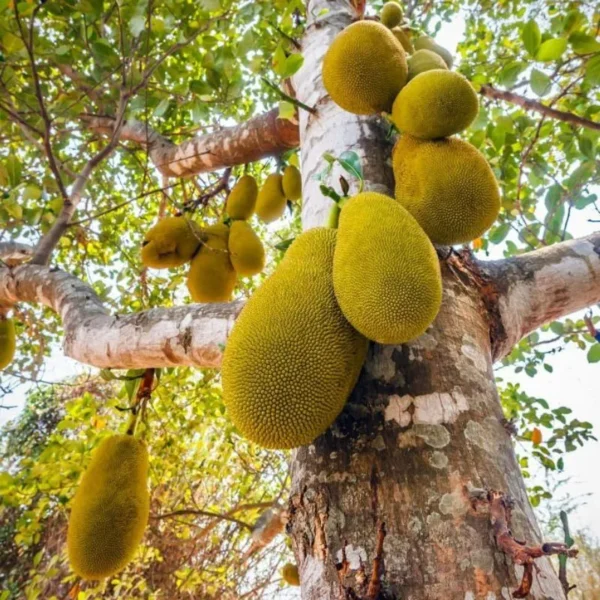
x=275 y=193
x=7 y=341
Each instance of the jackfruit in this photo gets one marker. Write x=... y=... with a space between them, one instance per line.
x=435 y=104
x=365 y=68
x=110 y=508
x=212 y=277
x=447 y=186
x=290 y=575
x=242 y=198
x=402 y=36
x=292 y=358
x=386 y=273
x=172 y=242
x=424 y=60
x=271 y=201
x=292 y=183
x=427 y=43
x=391 y=14
x=8 y=341
x=246 y=251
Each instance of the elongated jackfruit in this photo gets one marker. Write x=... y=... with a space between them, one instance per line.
x=8 y=341
x=292 y=358
x=365 y=68
x=289 y=573
x=246 y=251
x=426 y=43
x=110 y=508
x=242 y=198
x=172 y=242
x=391 y=14
x=435 y=104
x=291 y=183
x=424 y=60
x=386 y=273
x=448 y=187
x=212 y=277
x=271 y=201
x=402 y=36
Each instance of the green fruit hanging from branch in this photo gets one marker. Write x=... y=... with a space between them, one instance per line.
x=241 y=201
x=7 y=341
x=172 y=242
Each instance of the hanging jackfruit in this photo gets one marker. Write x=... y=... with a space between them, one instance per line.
x=365 y=68
x=110 y=508
x=8 y=341
x=386 y=273
x=212 y=277
x=242 y=198
x=172 y=242
x=435 y=104
x=391 y=14
x=271 y=201
x=448 y=187
x=424 y=60
x=291 y=183
x=402 y=36
x=292 y=359
x=427 y=43
x=246 y=251
x=289 y=573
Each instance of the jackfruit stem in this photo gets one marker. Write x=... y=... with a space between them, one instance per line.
x=334 y=216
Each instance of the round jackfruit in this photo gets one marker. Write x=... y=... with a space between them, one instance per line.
x=8 y=342
x=212 y=277
x=271 y=201
x=365 y=68
x=291 y=183
x=448 y=187
x=290 y=575
x=427 y=43
x=110 y=508
x=242 y=198
x=172 y=242
x=246 y=251
x=391 y=14
x=292 y=359
x=435 y=104
x=424 y=60
x=403 y=37
x=386 y=273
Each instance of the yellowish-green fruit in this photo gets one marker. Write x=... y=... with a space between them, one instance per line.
x=212 y=277
x=365 y=68
x=271 y=201
x=172 y=242
x=427 y=43
x=448 y=186
x=386 y=273
x=292 y=183
x=391 y=14
x=242 y=198
x=292 y=358
x=246 y=251
x=290 y=575
x=7 y=342
x=110 y=508
x=402 y=36
x=435 y=104
x=424 y=60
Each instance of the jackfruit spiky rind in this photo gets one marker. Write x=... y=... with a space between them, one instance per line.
x=402 y=36
x=8 y=342
x=424 y=60
x=291 y=183
x=448 y=186
x=110 y=508
x=290 y=575
x=246 y=250
x=365 y=68
x=386 y=273
x=241 y=201
x=292 y=358
x=426 y=43
x=391 y=14
x=211 y=277
x=271 y=201
x=172 y=242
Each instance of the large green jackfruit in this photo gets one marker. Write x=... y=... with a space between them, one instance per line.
x=365 y=68
x=424 y=60
x=292 y=358
x=242 y=198
x=427 y=43
x=172 y=242
x=246 y=251
x=402 y=36
x=291 y=183
x=391 y=14
x=110 y=508
x=290 y=575
x=8 y=342
x=212 y=277
x=271 y=201
x=386 y=273
x=435 y=104
x=448 y=186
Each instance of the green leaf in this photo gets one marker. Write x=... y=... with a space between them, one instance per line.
x=498 y=233
x=583 y=43
x=593 y=354
x=592 y=70
x=285 y=244
x=279 y=60
x=286 y=110
x=137 y=24
x=531 y=37
x=160 y=110
x=557 y=327
x=329 y=192
x=540 y=83
x=291 y=65
x=32 y=192
x=551 y=49
x=350 y=162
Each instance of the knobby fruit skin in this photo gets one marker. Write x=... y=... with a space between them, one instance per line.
x=386 y=273
x=8 y=342
x=292 y=358
x=110 y=508
x=289 y=573
x=427 y=43
x=424 y=60
x=241 y=201
x=246 y=250
x=391 y=14
x=365 y=68
x=172 y=242
x=271 y=201
x=291 y=183
x=447 y=186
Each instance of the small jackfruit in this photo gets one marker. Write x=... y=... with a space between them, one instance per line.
x=391 y=14
x=271 y=201
x=172 y=242
x=365 y=68
x=246 y=251
x=212 y=277
x=110 y=508
x=291 y=183
x=242 y=198
x=427 y=43
x=424 y=60
x=386 y=273
x=292 y=358
x=435 y=104
x=8 y=341
x=448 y=187
x=290 y=575
x=402 y=36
